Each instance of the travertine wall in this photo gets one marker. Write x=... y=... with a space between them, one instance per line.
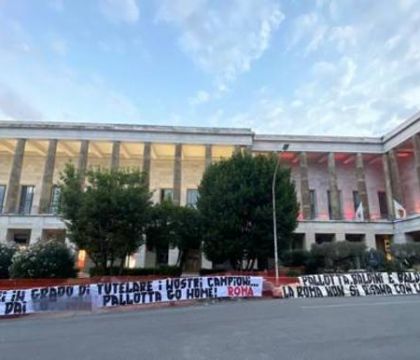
x=192 y=172
x=319 y=181
x=347 y=183
x=161 y=176
x=374 y=175
x=409 y=184
x=32 y=170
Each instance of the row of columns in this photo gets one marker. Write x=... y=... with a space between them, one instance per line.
x=12 y=194
x=391 y=175
x=390 y=167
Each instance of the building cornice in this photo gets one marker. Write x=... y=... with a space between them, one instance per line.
x=209 y=135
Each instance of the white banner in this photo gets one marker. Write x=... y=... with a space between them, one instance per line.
x=87 y=297
x=195 y=288
x=354 y=284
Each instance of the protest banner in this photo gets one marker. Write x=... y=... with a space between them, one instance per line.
x=88 y=297
x=353 y=285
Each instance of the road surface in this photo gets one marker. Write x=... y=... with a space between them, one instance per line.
x=341 y=328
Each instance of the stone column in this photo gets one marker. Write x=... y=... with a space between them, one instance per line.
x=309 y=240
x=177 y=175
x=388 y=187
x=36 y=235
x=12 y=193
x=361 y=185
x=335 y=203
x=395 y=176
x=83 y=159
x=208 y=155
x=416 y=145
x=147 y=161
x=340 y=236
x=115 y=157
x=370 y=240
x=47 y=178
x=304 y=186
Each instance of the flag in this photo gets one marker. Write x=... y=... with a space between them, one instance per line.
x=360 y=216
x=399 y=210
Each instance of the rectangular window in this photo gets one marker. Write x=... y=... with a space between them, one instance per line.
x=26 y=198
x=312 y=197
x=383 y=204
x=192 y=197
x=356 y=200
x=339 y=204
x=166 y=194
x=2 y=196
x=55 y=199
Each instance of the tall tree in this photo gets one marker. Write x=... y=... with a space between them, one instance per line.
x=173 y=226
x=235 y=202
x=108 y=216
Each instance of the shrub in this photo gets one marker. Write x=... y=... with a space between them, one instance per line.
x=165 y=270
x=315 y=263
x=6 y=254
x=295 y=257
x=293 y=273
x=43 y=260
x=408 y=254
x=340 y=255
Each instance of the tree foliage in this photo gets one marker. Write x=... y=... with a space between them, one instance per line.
x=408 y=254
x=50 y=259
x=339 y=255
x=235 y=202
x=175 y=227
x=6 y=255
x=108 y=216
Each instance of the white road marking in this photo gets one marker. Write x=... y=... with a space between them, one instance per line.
x=364 y=304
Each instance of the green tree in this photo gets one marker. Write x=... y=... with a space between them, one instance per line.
x=6 y=255
x=175 y=227
x=160 y=230
x=108 y=216
x=235 y=202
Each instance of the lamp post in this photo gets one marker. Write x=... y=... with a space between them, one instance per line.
x=276 y=255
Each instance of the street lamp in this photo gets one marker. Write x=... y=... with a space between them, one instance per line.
x=276 y=255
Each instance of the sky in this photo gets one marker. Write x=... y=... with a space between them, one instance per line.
x=278 y=67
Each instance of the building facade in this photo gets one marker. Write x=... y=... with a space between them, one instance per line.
x=349 y=188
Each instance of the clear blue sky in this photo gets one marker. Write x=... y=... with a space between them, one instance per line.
x=298 y=67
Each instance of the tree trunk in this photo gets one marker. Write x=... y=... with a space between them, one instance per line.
x=121 y=269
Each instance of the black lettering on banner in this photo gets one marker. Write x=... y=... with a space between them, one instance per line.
x=334 y=290
x=354 y=291
x=308 y=291
x=15 y=308
x=288 y=292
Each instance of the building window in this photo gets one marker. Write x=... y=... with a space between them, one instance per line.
x=356 y=200
x=339 y=204
x=383 y=205
x=26 y=198
x=192 y=197
x=166 y=195
x=55 y=199
x=162 y=256
x=312 y=199
x=2 y=196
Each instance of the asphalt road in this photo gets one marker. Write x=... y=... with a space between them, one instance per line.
x=345 y=328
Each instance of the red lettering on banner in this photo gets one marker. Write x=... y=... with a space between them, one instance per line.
x=240 y=291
